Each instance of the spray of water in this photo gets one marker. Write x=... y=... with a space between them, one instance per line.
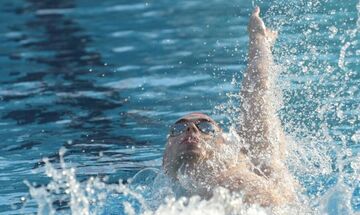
x=148 y=192
x=83 y=198
x=320 y=112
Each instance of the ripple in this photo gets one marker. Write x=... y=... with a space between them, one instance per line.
x=90 y=94
x=155 y=81
x=21 y=89
x=133 y=7
x=123 y=49
x=160 y=67
x=56 y=11
x=14 y=34
x=121 y=33
x=127 y=68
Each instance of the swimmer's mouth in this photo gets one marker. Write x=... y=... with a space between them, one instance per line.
x=191 y=141
x=191 y=147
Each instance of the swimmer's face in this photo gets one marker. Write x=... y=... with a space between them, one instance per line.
x=189 y=140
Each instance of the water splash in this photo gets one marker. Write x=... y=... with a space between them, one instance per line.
x=320 y=114
x=83 y=198
x=352 y=41
x=148 y=192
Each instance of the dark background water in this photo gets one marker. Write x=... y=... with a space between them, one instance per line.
x=105 y=79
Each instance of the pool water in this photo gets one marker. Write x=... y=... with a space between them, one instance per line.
x=101 y=81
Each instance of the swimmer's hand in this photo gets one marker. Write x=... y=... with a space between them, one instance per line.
x=257 y=27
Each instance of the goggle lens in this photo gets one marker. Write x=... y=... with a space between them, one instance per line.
x=204 y=127
x=177 y=129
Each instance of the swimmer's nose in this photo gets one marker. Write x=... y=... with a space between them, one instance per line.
x=192 y=128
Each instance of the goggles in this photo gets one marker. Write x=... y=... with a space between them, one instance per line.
x=203 y=126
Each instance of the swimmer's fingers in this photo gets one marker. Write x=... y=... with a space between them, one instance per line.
x=256 y=11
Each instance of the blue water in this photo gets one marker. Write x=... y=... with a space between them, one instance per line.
x=105 y=79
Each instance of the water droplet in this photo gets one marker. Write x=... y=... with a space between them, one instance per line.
x=333 y=31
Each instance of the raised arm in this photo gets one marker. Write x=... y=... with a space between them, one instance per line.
x=259 y=125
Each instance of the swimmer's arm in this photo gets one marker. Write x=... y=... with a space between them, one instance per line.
x=258 y=114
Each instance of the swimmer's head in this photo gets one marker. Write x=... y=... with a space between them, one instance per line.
x=192 y=138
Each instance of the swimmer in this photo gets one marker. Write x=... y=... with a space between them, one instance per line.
x=196 y=142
